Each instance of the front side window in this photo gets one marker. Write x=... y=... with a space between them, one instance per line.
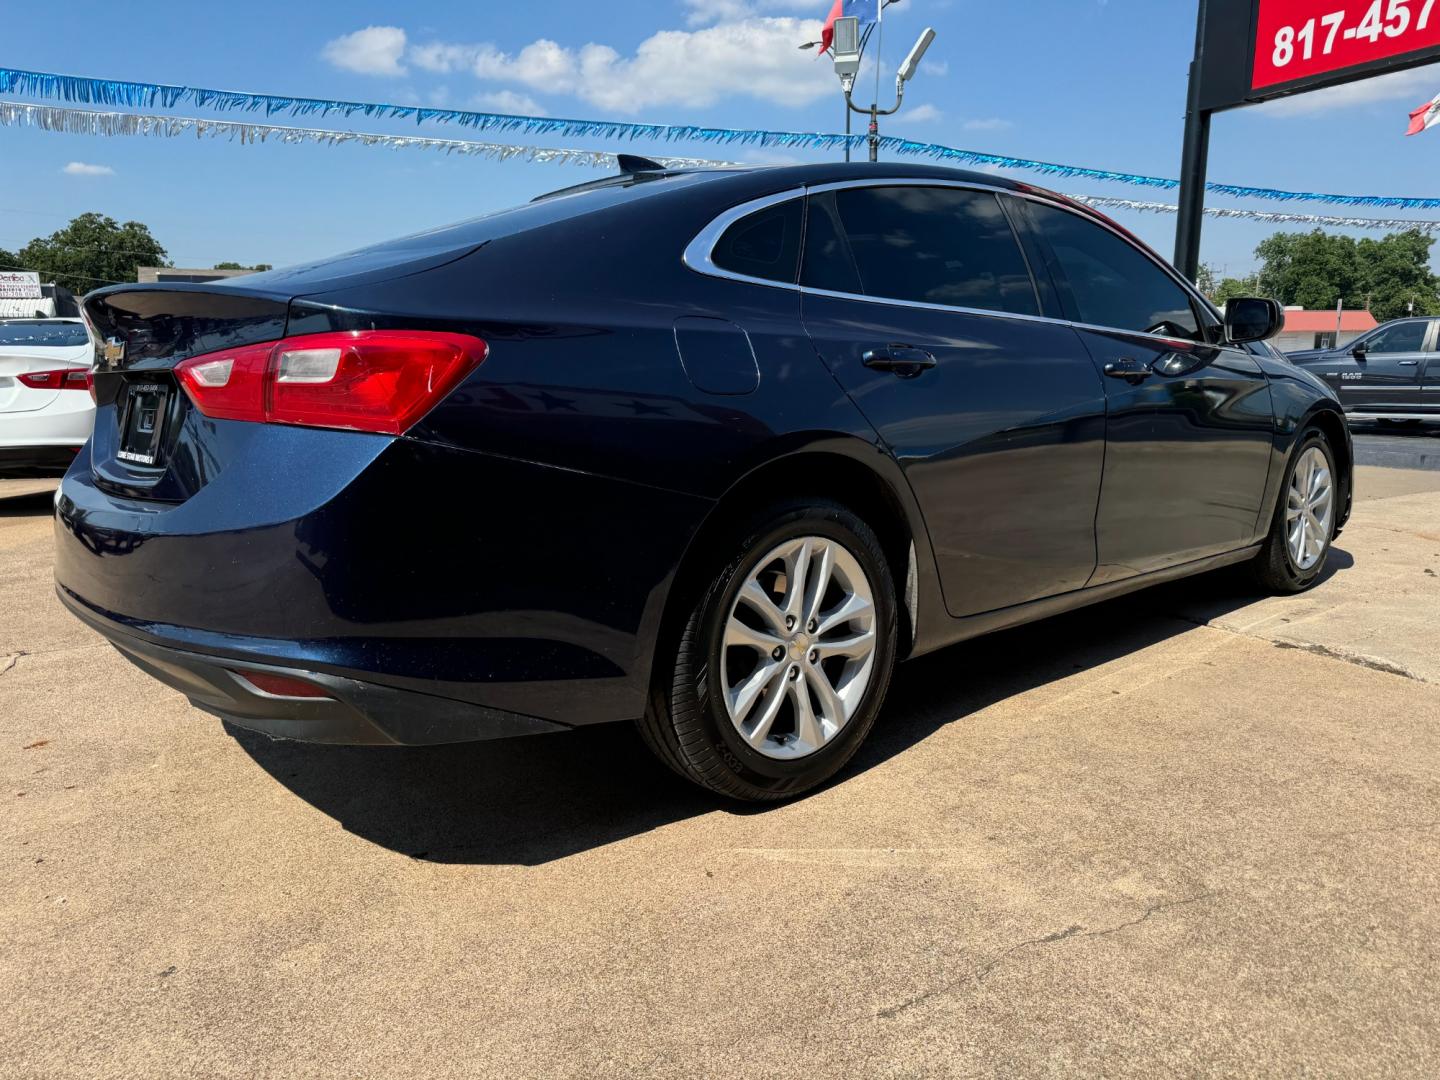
x=1400 y=338
x=765 y=244
x=1110 y=282
x=946 y=246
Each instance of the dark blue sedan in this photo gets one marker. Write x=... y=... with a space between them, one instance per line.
x=707 y=450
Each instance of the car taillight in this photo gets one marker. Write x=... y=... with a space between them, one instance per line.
x=64 y=379
x=361 y=380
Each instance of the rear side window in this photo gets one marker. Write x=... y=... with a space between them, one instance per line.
x=765 y=244
x=945 y=246
x=1107 y=281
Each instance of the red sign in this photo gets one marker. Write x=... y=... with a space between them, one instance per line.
x=1300 y=39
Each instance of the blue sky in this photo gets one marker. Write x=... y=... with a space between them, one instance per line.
x=1095 y=82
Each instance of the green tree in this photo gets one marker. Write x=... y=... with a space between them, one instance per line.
x=1317 y=270
x=1396 y=274
x=1218 y=290
x=1205 y=279
x=1230 y=288
x=9 y=260
x=237 y=266
x=93 y=250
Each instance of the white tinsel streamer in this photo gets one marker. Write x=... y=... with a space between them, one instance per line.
x=89 y=122
x=1393 y=224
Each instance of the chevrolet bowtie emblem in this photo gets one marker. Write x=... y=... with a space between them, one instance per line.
x=113 y=351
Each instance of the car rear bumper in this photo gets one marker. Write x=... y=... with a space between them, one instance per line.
x=49 y=460
x=353 y=712
x=463 y=578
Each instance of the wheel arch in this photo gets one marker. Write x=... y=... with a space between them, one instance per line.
x=1331 y=422
x=845 y=469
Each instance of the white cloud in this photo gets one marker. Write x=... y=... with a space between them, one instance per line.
x=1413 y=86
x=920 y=114
x=376 y=50
x=80 y=168
x=443 y=58
x=509 y=101
x=706 y=12
x=987 y=123
x=935 y=68
x=757 y=57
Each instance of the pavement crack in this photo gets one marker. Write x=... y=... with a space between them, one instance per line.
x=1345 y=656
x=1070 y=932
x=8 y=662
x=1374 y=663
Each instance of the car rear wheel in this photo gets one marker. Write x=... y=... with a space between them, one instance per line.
x=783 y=661
x=1301 y=532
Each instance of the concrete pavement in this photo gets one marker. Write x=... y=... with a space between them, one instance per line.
x=1183 y=833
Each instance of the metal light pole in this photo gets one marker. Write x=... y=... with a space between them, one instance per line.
x=848 y=47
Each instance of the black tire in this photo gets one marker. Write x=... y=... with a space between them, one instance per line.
x=687 y=725
x=1275 y=569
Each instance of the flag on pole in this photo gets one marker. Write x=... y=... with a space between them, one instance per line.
x=1426 y=116
x=840 y=10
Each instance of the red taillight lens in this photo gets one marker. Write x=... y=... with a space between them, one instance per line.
x=363 y=380
x=64 y=379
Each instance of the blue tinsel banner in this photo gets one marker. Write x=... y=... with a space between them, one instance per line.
x=136 y=94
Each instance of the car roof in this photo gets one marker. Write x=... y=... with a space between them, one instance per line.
x=780 y=177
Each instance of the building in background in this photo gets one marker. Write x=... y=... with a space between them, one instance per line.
x=1321 y=329
x=147 y=275
x=24 y=296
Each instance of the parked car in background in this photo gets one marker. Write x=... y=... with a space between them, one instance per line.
x=46 y=411
x=1390 y=374
x=709 y=450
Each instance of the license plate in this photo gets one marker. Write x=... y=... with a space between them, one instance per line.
x=143 y=423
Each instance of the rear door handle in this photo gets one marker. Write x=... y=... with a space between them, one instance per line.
x=1128 y=368
x=905 y=361
x=1409 y=363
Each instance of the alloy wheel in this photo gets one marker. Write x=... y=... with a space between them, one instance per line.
x=1309 y=508
x=798 y=648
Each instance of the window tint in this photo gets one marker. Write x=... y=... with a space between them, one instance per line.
x=1110 y=282
x=932 y=245
x=1403 y=337
x=765 y=244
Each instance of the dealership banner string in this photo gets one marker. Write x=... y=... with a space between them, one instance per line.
x=147 y=95
x=90 y=122
x=1269 y=216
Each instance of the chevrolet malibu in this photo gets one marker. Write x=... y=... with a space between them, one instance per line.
x=705 y=450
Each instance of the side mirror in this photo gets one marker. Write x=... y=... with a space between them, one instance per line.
x=1251 y=319
x=1360 y=352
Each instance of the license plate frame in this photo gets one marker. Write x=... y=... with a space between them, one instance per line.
x=142 y=423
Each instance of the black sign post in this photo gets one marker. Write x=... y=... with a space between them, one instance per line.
x=1249 y=51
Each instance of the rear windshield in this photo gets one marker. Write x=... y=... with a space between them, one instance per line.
x=54 y=333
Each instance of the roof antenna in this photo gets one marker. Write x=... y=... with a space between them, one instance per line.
x=634 y=163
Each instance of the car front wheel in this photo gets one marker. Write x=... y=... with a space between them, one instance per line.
x=1295 y=552
x=784 y=660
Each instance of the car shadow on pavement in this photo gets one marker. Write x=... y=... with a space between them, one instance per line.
x=31 y=504
x=532 y=800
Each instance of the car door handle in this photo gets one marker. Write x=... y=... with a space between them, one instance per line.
x=1128 y=368
x=905 y=361
x=1409 y=363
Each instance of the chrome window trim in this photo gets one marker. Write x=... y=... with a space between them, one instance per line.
x=697 y=256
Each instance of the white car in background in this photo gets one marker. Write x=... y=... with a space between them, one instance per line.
x=46 y=410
